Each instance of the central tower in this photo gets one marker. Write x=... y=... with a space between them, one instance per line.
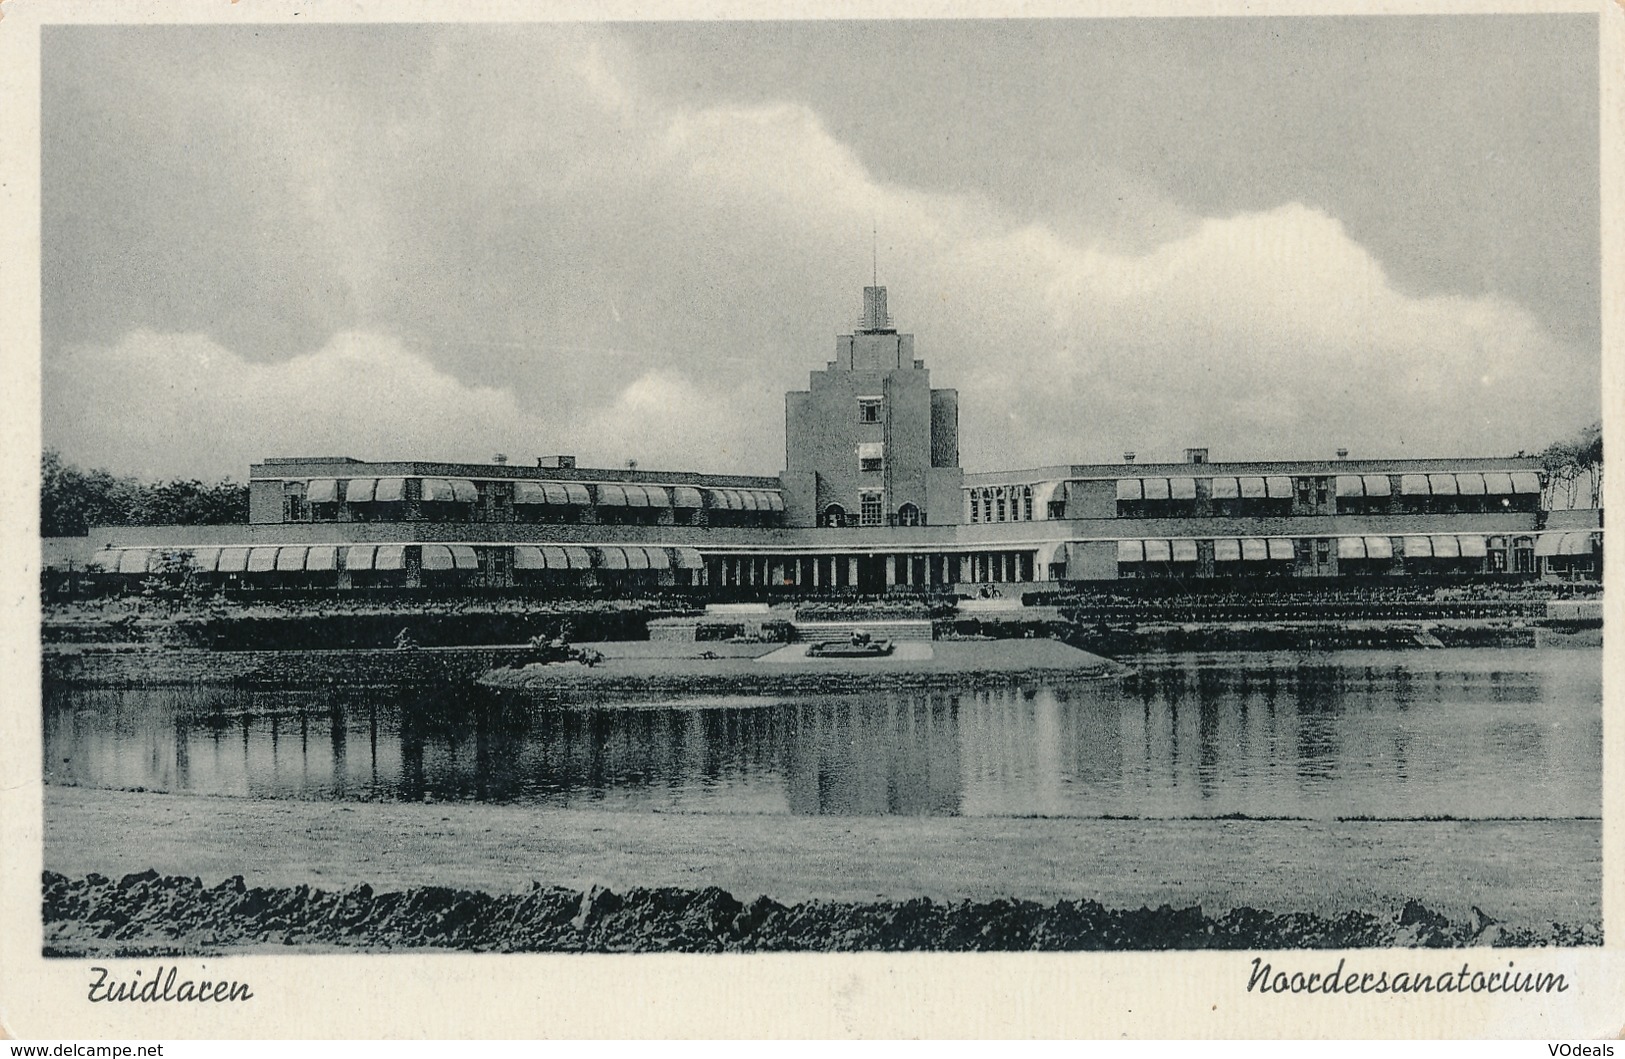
x=869 y=442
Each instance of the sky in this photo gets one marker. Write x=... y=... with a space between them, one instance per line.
x=1269 y=237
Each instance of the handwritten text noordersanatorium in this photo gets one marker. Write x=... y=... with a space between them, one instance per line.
x=1265 y=979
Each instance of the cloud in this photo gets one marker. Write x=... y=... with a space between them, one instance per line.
x=162 y=406
x=530 y=252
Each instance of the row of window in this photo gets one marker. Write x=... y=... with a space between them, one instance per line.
x=871 y=512
x=1002 y=503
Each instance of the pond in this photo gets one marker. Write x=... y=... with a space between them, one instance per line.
x=1400 y=734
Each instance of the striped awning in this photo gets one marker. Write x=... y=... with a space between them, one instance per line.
x=1498 y=483
x=1130 y=489
x=464 y=491
x=1378 y=485
x=747 y=500
x=1043 y=492
x=1418 y=547
x=612 y=496
x=322 y=557
x=689 y=559
x=658 y=559
x=636 y=496
x=1184 y=550
x=1350 y=485
x=1227 y=550
x=1158 y=552
x=1182 y=488
x=323 y=491
x=437 y=557
x=1253 y=487
x=1442 y=484
x=359 y=556
x=232 y=560
x=557 y=558
x=390 y=490
x=1156 y=488
x=390 y=557
x=528 y=557
x=107 y=559
x=533 y=493
x=1576 y=543
x=134 y=560
x=611 y=558
x=463 y=557
x=576 y=557
x=658 y=496
x=1472 y=546
x=437 y=490
x=1130 y=551
x=774 y=501
x=360 y=490
x=636 y=558
x=720 y=498
x=686 y=496
x=574 y=493
x=290 y=558
x=261 y=560
x=1470 y=484
x=1525 y=482
x=1280 y=548
x=1445 y=547
x=1278 y=487
x=1414 y=485
x=1254 y=550
x=206 y=559
x=1381 y=548
x=1351 y=547
x=1225 y=489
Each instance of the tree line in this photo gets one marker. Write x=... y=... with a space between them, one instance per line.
x=72 y=500
x=1574 y=469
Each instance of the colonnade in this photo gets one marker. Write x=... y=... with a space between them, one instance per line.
x=916 y=569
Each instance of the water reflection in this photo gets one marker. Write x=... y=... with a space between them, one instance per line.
x=1382 y=734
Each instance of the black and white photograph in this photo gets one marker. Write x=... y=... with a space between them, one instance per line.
x=726 y=487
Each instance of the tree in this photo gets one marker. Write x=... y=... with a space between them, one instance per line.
x=1573 y=469
x=72 y=500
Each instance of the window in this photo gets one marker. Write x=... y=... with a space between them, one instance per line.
x=908 y=515
x=1321 y=486
x=1026 y=503
x=835 y=516
x=869 y=463
x=870 y=454
x=998 y=498
x=869 y=508
x=1323 y=551
x=868 y=409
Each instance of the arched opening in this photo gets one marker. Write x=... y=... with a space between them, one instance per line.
x=908 y=515
x=835 y=516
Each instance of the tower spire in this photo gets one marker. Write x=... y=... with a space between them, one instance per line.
x=874 y=258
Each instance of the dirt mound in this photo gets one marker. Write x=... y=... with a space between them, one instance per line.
x=148 y=914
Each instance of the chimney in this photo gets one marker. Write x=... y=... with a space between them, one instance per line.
x=1195 y=455
x=1342 y=454
x=556 y=462
x=500 y=458
x=1128 y=457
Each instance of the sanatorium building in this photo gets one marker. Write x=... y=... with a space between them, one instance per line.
x=871 y=499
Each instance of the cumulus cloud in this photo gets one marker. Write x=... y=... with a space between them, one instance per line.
x=183 y=406
x=531 y=252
